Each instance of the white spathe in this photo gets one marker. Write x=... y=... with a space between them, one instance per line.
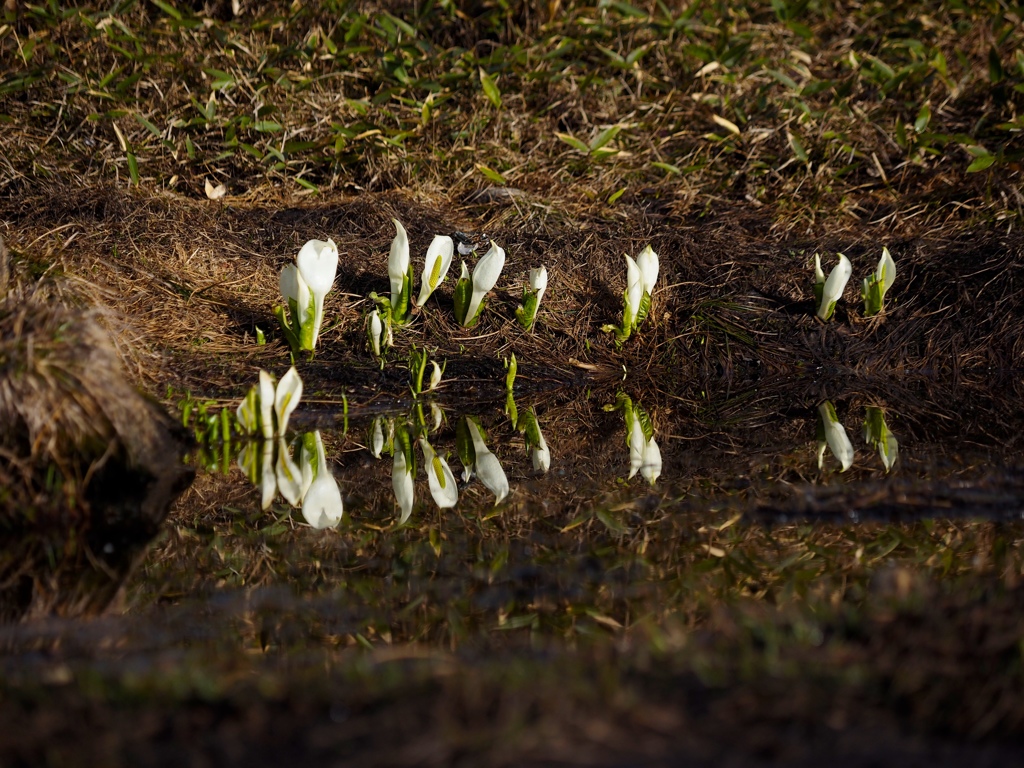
x=540 y=455
x=835 y=438
x=266 y=404
x=321 y=505
x=435 y=376
x=651 y=468
x=247 y=415
x=886 y=271
x=268 y=479
x=402 y=483
x=289 y=392
x=834 y=286
x=644 y=454
x=637 y=446
x=377 y=437
x=485 y=277
x=634 y=293
x=374 y=329
x=289 y=476
x=295 y=290
x=439 y=477
x=486 y=465
x=318 y=264
x=539 y=282
x=436 y=265
x=398 y=262
x=647 y=263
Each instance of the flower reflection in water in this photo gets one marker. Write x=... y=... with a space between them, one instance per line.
x=537 y=446
x=321 y=502
x=439 y=476
x=308 y=483
x=877 y=435
x=644 y=453
x=477 y=458
x=832 y=435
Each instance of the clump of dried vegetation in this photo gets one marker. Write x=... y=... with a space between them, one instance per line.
x=89 y=467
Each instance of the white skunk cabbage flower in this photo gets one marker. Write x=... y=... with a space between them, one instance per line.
x=647 y=263
x=317 y=263
x=377 y=437
x=267 y=411
x=435 y=266
x=300 y=302
x=650 y=469
x=644 y=453
x=540 y=454
x=435 y=376
x=526 y=314
x=289 y=392
x=266 y=398
x=469 y=297
x=375 y=332
x=248 y=414
x=288 y=474
x=641 y=275
x=535 y=442
x=876 y=284
x=637 y=445
x=439 y=477
x=634 y=294
x=268 y=480
x=321 y=504
x=402 y=483
x=486 y=465
x=539 y=281
x=400 y=273
x=832 y=288
x=832 y=434
x=877 y=434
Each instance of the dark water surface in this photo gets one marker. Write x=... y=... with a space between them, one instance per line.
x=725 y=539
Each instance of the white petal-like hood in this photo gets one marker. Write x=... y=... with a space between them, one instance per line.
x=539 y=281
x=398 y=261
x=289 y=392
x=318 y=264
x=651 y=468
x=835 y=285
x=436 y=266
x=647 y=262
x=289 y=476
x=488 y=468
x=440 y=478
x=322 y=504
x=634 y=290
x=266 y=404
x=402 y=483
x=485 y=277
